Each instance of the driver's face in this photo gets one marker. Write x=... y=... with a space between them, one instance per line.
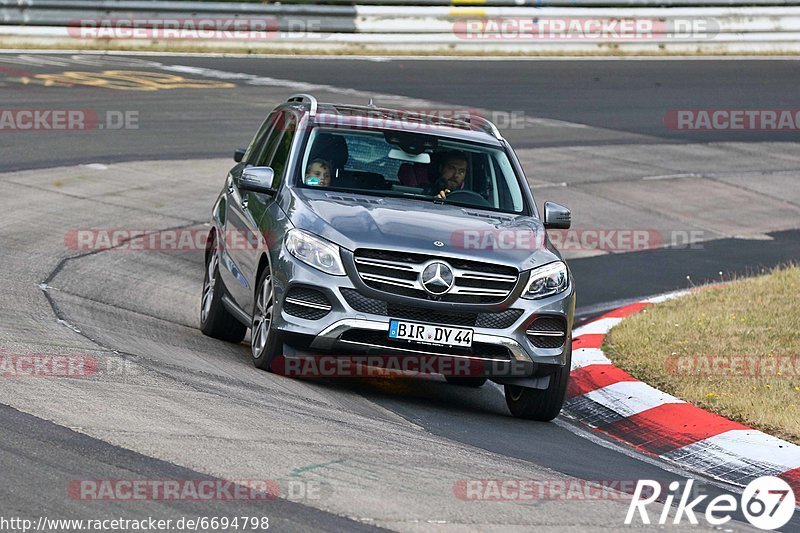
x=453 y=172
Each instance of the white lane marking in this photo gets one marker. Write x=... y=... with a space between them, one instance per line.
x=601 y=326
x=628 y=398
x=668 y=296
x=747 y=445
x=554 y=123
x=252 y=79
x=582 y=357
x=547 y=185
x=672 y=176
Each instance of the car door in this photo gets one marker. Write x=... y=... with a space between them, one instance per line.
x=235 y=236
x=250 y=215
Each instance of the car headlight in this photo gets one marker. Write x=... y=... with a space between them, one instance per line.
x=315 y=251
x=547 y=280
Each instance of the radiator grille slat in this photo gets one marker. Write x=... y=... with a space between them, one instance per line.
x=400 y=273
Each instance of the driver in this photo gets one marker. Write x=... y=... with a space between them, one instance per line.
x=452 y=173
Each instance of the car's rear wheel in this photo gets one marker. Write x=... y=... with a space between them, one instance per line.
x=265 y=343
x=540 y=404
x=465 y=382
x=215 y=320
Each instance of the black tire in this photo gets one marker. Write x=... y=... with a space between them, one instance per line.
x=540 y=404
x=465 y=382
x=215 y=320
x=265 y=342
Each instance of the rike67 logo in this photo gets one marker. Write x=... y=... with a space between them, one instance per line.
x=767 y=503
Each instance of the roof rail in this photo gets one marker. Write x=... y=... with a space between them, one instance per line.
x=303 y=98
x=483 y=123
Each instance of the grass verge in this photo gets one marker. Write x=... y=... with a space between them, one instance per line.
x=732 y=349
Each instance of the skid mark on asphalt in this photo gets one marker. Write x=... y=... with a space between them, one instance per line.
x=355 y=473
x=300 y=470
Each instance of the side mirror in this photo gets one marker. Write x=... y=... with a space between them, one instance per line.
x=258 y=179
x=556 y=216
x=238 y=154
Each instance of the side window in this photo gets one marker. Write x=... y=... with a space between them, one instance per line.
x=262 y=155
x=278 y=161
x=510 y=198
x=257 y=144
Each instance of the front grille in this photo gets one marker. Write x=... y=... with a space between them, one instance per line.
x=307 y=303
x=400 y=273
x=547 y=332
x=365 y=304
x=379 y=339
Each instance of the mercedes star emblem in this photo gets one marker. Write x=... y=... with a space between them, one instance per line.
x=437 y=278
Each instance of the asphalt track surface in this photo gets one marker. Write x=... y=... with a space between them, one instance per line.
x=627 y=97
x=621 y=101
x=76 y=455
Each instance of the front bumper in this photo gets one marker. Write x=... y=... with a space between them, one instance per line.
x=345 y=331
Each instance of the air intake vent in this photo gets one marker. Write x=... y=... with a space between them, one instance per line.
x=307 y=303
x=547 y=332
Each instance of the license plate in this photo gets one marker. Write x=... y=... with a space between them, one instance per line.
x=430 y=334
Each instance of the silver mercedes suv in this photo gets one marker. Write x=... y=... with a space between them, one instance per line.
x=381 y=237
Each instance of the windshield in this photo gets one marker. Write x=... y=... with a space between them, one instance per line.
x=411 y=165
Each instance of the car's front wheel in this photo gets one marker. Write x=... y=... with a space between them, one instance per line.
x=540 y=404
x=265 y=343
x=215 y=320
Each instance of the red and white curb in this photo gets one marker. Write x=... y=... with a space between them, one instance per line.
x=613 y=402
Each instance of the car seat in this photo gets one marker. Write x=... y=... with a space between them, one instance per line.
x=413 y=174
x=331 y=148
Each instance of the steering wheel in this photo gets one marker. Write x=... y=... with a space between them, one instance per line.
x=470 y=197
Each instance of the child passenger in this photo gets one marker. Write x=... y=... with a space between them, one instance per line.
x=318 y=173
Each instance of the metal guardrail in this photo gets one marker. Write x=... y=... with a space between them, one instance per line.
x=426 y=25
x=342 y=7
